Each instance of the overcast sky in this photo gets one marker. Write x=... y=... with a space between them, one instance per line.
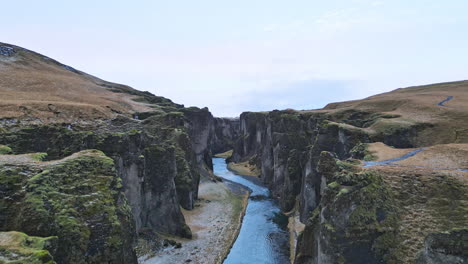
x=250 y=55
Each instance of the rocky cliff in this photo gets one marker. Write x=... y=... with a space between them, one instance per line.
x=355 y=215
x=226 y=132
x=152 y=151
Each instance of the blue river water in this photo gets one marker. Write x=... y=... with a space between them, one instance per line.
x=444 y=101
x=261 y=240
x=390 y=161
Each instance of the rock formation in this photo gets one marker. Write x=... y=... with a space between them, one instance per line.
x=355 y=215
x=152 y=151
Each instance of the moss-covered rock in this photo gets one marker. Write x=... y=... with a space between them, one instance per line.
x=79 y=200
x=356 y=221
x=39 y=156
x=19 y=248
x=361 y=151
x=5 y=149
x=125 y=141
x=446 y=247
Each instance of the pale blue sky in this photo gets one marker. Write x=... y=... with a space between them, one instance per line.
x=250 y=55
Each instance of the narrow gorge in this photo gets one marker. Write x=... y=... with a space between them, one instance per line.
x=97 y=172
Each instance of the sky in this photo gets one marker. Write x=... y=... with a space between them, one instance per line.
x=249 y=55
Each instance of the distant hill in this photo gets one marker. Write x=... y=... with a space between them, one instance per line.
x=33 y=86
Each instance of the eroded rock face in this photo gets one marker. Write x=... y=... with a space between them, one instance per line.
x=16 y=247
x=356 y=220
x=450 y=247
x=201 y=130
x=78 y=200
x=226 y=132
x=286 y=146
x=159 y=161
x=350 y=216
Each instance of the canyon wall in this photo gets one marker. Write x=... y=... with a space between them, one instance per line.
x=226 y=132
x=159 y=158
x=351 y=215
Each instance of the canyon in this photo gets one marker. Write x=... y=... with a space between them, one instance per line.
x=97 y=172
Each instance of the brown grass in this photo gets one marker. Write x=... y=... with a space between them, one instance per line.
x=224 y=155
x=244 y=168
x=429 y=201
x=33 y=86
x=384 y=152
x=449 y=156
x=417 y=105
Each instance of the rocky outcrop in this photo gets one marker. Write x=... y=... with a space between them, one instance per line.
x=356 y=220
x=159 y=160
x=200 y=128
x=79 y=200
x=449 y=247
x=350 y=215
x=16 y=247
x=226 y=132
x=6 y=51
x=286 y=146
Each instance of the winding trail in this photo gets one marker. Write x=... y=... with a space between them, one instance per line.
x=441 y=103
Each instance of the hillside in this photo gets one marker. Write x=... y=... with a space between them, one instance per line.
x=33 y=86
x=436 y=111
x=100 y=166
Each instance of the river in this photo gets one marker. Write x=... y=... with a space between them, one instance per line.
x=263 y=238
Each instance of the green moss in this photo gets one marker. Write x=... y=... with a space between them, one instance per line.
x=333 y=185
x=375 y=213
x=24 y=249
x=183 y=179
x=5 y=149
x=134 y=131
x=118 y=134
x=359 y=118
x=176 y=114
x=369 y=157
x=343 y=191
x=39 y=156
x=392 y=126
x=361 y=151
x=290 y=117
x=329 y=227
x=346 y=166
x=314 y=215
x=70 y=198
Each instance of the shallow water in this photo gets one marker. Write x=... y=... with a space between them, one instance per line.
x=408 y=155
x=260 y=240
x=387 y=162
x=444 y=101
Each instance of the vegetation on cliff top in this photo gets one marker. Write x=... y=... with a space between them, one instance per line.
x=79 y=200
x=19 y=248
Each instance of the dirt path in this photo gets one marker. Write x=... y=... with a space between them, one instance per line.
x=215 y=223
